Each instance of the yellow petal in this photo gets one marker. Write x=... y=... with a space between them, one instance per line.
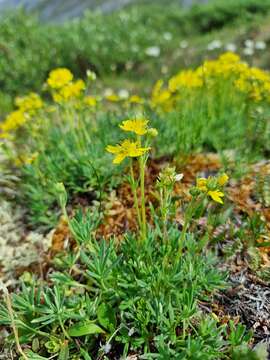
x=216 y=195
x=119 y=158
x=113 y=149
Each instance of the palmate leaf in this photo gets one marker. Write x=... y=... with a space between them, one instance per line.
x=86 y=328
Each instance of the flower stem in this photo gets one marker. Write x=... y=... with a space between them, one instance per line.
x=134 y=190
x=142 y=173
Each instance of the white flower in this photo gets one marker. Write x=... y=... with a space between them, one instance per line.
x=231 y=47
x=248 y=51
x=179 y=177
x=260 y=45
x=249 y=44
x=123 y=94
x=167 y=36
x=183 y=44
x=153 y=51
x=215 y=44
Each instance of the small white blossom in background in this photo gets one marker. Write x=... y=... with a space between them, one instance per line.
x=179 y=177
x=183 y=44
x=106 y=348
x=123 y=94
x=91 y=75
x=230 y=47
x=248 y=51
x=153 y=51
x=131 y=331
x=215 y=44
x=167 y=36
x=260 y=45
x=249 y=44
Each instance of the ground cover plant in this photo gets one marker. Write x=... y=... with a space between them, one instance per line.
x=142 y=213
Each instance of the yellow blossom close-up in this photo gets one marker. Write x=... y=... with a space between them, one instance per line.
x=69 y=91
x=59 y=78
x=29 y=103
x=138 y=126
x=125 y=149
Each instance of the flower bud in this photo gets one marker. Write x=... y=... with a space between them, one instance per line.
x=152 y=132
x=91 y=75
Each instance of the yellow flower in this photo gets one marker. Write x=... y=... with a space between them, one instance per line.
x=185 y=79
x=29 y=103
x=125 y=149
x=216 y=195
x=138 y=126
x=161 y=98
x=201 y=184
x=229 y=57
x=223 y=179
x=59 y=78
x=69 y=91
x=13 y=121
x=210 y=186
x=135 y=99
x=112 y=98
x=90 y=101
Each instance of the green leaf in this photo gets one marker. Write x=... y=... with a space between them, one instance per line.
x=32 y=356
x=106 y=317
x=85 y=354
x=82 y=329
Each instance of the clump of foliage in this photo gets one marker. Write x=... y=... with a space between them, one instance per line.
x=141 y=296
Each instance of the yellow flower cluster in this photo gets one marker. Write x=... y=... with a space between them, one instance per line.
x=252 y=82
x=28 y=106
x=63 y=88
x=59 y=78
x=212 y=186
x=14 y=120
x=30 y=103
x=90 y=101
x=72 y=90
x=161 y=98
